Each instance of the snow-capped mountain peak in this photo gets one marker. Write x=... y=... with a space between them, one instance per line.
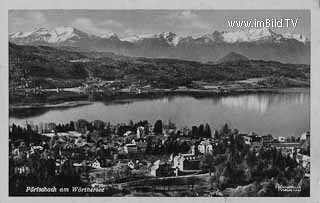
x=298 y=37
x=39 y=31
x=64 y=30
x=252 y=35
x=61 y=34
x=170 y=37
x=16 y=35
x=109 y=35
x=55 y=35
x=135 y=38
x=249 y=35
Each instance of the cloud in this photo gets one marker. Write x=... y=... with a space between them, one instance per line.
x=97 y=28
x=18 y=20
x=187 y=20
x=37 y=17
x=187 y=15
x=112 y=23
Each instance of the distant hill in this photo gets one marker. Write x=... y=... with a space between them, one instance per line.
x=232 y=56
x=52 y=67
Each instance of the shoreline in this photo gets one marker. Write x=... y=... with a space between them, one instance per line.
x=66 y=104
x=123 y=97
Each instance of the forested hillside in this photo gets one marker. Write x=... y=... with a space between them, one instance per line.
x=47 y=66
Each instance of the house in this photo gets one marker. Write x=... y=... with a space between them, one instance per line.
x=140 y=132
x=305 y=136
x=205 y=147
x=185 y=162
x=178 y=162
x=191 y=163
x=36 y=148
x=305 y=143
x=126 y=134
x=154 y=168
x=256 y=142
x=251 y=139
x=131 y=164
x=22 y=170
x=79 y=167
x=95 y=164
x=246 y=138
x=33 y=149
x=141 y=144
x=267 y=138
x=304 y=160
x=169 y=129
x=281 y=139
x=130 y=148
x=74 y=134
x=286 y=147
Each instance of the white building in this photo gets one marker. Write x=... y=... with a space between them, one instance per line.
x=130 y=148
x=95 y=164
x=154 y=168
x=304 y=160
x=140 y=132
x=281 y=139
x=304 y=136
x=178 y=162
x=205 y=147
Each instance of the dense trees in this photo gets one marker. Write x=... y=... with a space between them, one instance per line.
x=26 y=134
x=201 y=131
x=40 y=63
x=207 y=131
x=158 y=129
x=225 y=130
x=208 y=163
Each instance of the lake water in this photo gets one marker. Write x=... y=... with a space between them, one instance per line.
x=280 y=114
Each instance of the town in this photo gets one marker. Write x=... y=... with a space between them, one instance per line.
x=145 y=159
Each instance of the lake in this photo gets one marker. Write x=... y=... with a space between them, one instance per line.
x=280 y=114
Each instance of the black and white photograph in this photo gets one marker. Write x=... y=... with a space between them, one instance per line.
x=159 y=103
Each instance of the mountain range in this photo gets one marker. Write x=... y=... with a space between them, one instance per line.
x=257 y=44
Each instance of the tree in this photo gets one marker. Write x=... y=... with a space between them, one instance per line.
x=207 y=163
x=229 y=170
x=131 y=123
x=225 y=130
x=201 y=130
x=171 y=125
x=184 y=147
x=194 y=131
x=232 y=144
x=158 y=127
x=207 y=131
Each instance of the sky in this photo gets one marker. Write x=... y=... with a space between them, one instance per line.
x=130 y=22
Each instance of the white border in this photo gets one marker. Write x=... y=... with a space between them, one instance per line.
x=313 y=5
